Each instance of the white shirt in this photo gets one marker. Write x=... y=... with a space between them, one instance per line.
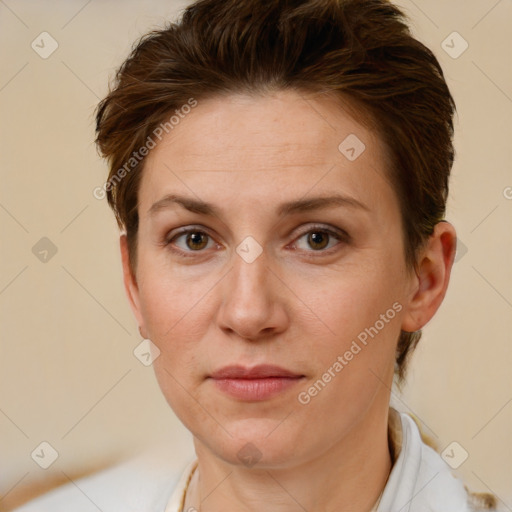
x=420 y=481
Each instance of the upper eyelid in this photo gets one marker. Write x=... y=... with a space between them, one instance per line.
x=320 y=227
x=199 y=228
x=341 y=234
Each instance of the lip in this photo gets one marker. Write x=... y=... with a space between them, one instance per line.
x=260 y=371
x=259 y=383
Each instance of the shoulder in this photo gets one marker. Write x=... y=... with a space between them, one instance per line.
x=143 y=483
x=441 y=482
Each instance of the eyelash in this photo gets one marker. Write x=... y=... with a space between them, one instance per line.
x=340 y=235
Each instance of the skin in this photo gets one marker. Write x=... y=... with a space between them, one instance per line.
x=299 y=304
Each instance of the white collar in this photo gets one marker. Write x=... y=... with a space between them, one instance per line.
x=420 y=481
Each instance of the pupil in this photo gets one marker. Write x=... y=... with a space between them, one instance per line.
x=196 y=238
x=317 y=238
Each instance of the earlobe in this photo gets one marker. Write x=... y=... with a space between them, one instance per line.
x=432 y=277
x=130 y=282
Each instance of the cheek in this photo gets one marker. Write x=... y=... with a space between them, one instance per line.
x=175 y=320
x=352 y=364
x=354 y=297
x=360 y=312
x=173 y=301
x=171 y=310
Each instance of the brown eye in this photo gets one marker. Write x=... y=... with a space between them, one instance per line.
x=319 y=239
x=189 y=241
x=196 y=240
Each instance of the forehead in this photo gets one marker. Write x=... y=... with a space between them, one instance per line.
x=288 y=140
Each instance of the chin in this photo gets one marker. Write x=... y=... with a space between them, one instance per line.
x=257 y=443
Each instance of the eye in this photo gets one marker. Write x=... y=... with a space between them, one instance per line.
x=194 y=240
x=319 y=238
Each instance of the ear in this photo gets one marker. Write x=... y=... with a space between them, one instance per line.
x=432 y=277
x=130 y=282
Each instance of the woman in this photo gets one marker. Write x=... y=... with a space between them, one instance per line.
x=279 y=171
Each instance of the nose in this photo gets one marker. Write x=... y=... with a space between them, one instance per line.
x=254 y=297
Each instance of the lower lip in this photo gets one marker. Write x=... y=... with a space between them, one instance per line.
x=256 y=389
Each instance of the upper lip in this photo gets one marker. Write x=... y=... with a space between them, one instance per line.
x=256 y=372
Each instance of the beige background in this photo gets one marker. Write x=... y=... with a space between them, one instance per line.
x=68 y=375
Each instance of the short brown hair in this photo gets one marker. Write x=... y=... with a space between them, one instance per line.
x=360 y=50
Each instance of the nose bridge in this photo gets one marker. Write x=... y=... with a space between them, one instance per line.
x=249 y=271
x=248 y=302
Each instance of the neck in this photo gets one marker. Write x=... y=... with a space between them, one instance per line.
x=349 y=476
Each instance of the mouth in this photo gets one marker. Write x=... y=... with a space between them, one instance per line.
x=259 y=383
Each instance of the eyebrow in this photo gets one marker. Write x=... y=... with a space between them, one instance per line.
x=296 y=206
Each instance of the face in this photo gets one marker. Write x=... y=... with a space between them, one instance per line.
x=271 y=272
